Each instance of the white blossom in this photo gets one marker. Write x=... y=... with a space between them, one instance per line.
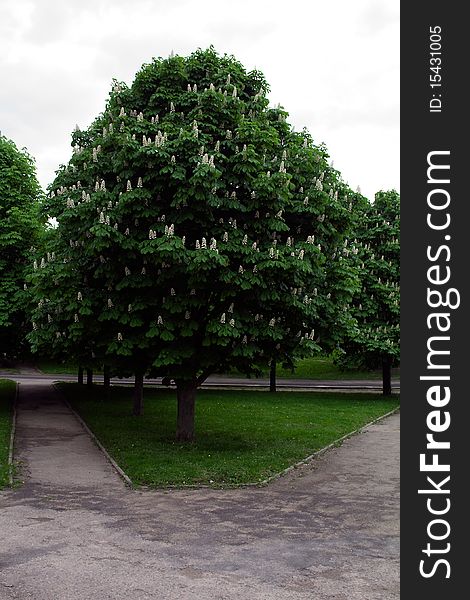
x=255 y=269
x=129 y=186
x=245 y=240
x=217 y=146
x=245 y=340
x=173 y=159
x=271 y=253
x=222 y=318
x=232 y=322
x=198 y=245
x=35 y=326
x=159 y=320
x=127 y=271
x=172 y=107
x=79 y=296
x=213 y=245
x=187 y=315
x=172 y=292
x=119 y=337
x=301 y=255
x=192 y=292
x=234 y=92
x=49 y=318
x=140 y=116
x=203 y=243
x=110 y=303
x=143 y=271
x=272 y=322
x=139 y=182
x=228 y=134
x=319 y=185
x=241 y=270
x=95 y=155
x=225 y=237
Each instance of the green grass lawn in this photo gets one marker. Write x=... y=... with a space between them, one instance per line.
x=7 y=394
x=242 y=436
x=323 y=368
x=55 y=368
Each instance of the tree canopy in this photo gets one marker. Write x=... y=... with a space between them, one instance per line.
x=197 y=232
x=375 y=339
x=20 y=194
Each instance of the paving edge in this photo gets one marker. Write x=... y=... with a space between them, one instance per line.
x=263 y=483
x=333 y=444
x=108 y=457
x=12 y=437
x=286 y=471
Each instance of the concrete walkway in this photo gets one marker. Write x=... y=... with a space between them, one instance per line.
x=75 y=532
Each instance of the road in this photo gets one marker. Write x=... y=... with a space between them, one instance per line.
x=216 y=381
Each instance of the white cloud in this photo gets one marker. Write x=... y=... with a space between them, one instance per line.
x=333 y=66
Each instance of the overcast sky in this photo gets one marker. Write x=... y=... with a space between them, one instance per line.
x=333 y=65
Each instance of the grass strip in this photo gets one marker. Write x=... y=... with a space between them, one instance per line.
x=7 y=395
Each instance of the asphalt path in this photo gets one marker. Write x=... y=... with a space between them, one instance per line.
x=328 y=530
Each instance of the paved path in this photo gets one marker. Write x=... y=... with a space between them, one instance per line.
x=75 y=532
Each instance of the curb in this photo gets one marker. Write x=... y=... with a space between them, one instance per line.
x=333 y=444
x=12 y=438
x=286 y=471
x=109 y=458
x=263 y=483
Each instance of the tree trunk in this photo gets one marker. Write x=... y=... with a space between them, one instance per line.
x=186 y=396
x=89 y=377
x=106 y=377
x=138 y=407
x=80 y=375
x=387 y=376
x=272 y=376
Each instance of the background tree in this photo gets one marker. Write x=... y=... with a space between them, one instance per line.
x=374 y=341
x=20 y=195
x=196 y=232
